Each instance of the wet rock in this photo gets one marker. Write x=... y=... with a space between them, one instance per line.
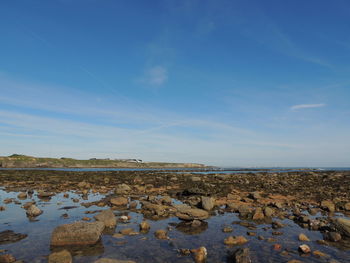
x=22 y=195
x=207 y=203
x=166 y=200
x=126 y=231
x=245 y=210
x=107 y=217
x=33 y=211
x=61 y=257
x=7 y=258
x=188 y=213
x=161 y=234
x=8 y=236
x=319 y=254
x=231 y=240
x=109 y=260
x=144 y=226
x=227 y=229
x=343 y=225
x=119 y=201
x=268 y=211
x=155 y=209
x=303 y=237
x=199 y=255
x=241 y=255
x=78 y=233
x=328 y=205
x=347 y=206
x=194 y=227
x=304 y=249
x=258 y=214
x=254 y=195
x=332 y=236
x=122 y=189
x=277 y=224
x=43 y=194
x=84 y=185
x=132 y=205
x=2 y=208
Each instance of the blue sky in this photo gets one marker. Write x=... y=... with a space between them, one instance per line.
x=229 y=83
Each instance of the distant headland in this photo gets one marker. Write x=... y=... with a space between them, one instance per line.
x=25 y=161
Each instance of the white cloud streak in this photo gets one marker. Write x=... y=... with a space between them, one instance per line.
x=307 y=106
x=156 y=76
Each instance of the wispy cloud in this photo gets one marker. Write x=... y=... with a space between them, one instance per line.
x=307 y=106
x=156 y=76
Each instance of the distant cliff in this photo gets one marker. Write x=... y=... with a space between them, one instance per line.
x=24 y=161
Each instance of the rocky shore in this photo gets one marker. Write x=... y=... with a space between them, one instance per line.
x=281 y=213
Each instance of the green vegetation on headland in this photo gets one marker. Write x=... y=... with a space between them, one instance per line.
x=24 y=161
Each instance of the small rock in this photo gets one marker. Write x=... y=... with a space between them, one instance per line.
x=33 y=211
x=227 y=229
x=207 y=203
x=303 y=237
x=328 y=205
x=332 y=236
x=240 y=240
x=119 y=201
x=258 y=214
x=318 y=253
x=199 y=254
x=22 y=195
x=122 y=189
x=107 y=217
x=305 y=249
x=343 y=225
x=109 y=260
x=242 y=256
x=161 y=234
x=126 y=231
x=60 y=257
x=2 y=208
x=7 y=258
x=144 y=226
x=268 y=211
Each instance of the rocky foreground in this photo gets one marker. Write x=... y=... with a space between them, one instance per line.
x=317 y=201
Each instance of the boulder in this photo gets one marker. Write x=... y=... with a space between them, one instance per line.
x=107 y=217
x=33 y=211
x=61 y=257
x=207 y=203
x=78 y=233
